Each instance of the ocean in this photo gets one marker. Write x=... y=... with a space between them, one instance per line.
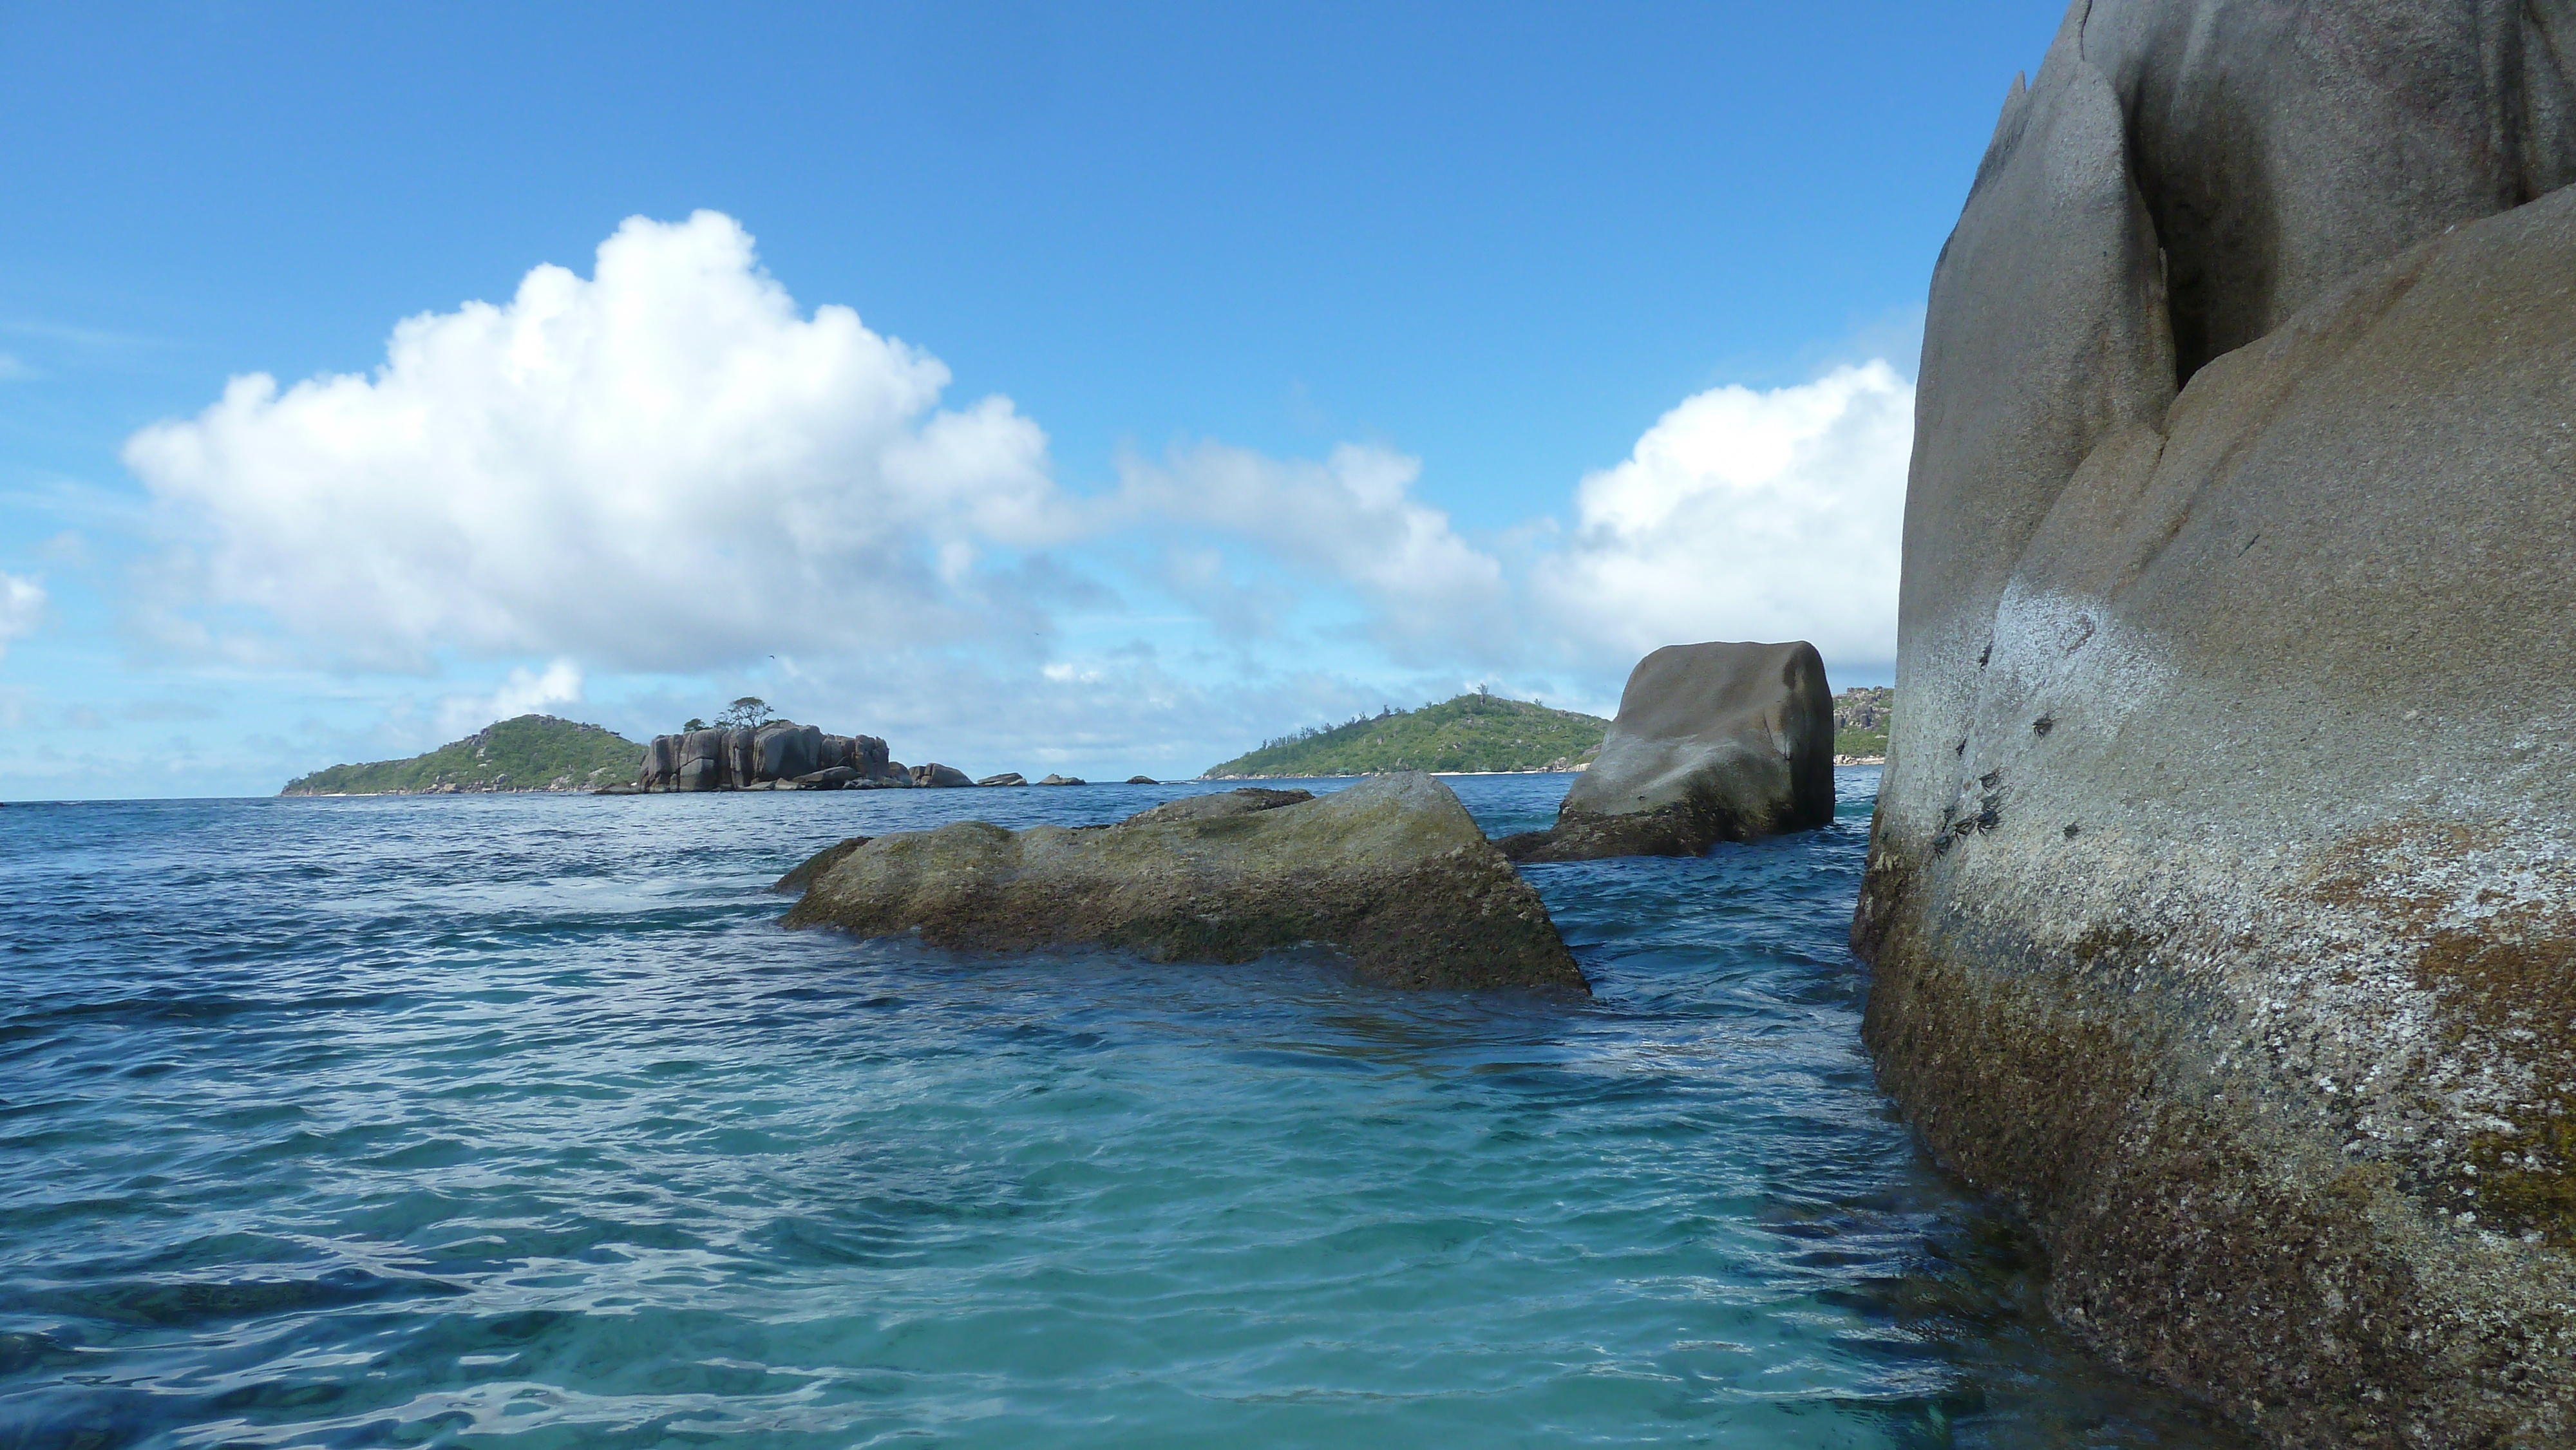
x=517 y=1121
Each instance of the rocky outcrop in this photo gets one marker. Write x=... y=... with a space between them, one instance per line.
x=1006 y=778
x=1392 y=872
x=784 y=755
x=1064 y=780
x=945 y=777
x=1142 y=780
x=1714 y=742
x=2220 y=895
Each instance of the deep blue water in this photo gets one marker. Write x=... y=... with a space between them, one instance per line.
x=518 y=1121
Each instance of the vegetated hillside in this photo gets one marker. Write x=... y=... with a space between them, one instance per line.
x=1860 y=721
x=532 y=752
x=1471 y=732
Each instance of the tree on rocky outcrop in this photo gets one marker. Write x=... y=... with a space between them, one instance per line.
x=748 y=713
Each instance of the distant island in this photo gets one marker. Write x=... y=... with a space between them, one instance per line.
x=532 y=752
x=1473 y=732
x=1860 y=724
x=1490 y=733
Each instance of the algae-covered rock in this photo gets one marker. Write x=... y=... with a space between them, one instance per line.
x=1714 y=742
x=796 y=881
x=1392 y=871
x=2219 y=900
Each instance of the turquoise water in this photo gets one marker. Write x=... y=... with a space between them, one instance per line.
x=517 y=1121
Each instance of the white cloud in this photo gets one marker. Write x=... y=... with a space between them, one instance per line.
x=669 y=468
x=525 y=692
x=22 y=608
x=14 y=369
x=1745 y=515
x=1351 y=517
x=665 y=465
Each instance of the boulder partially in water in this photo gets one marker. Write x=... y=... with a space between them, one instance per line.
x=755 y=759
x=2219 y=899
x=1714 y=742
x=1392 y=871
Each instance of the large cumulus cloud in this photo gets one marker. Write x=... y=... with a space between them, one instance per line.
x=665 y=465
x=1744 y=514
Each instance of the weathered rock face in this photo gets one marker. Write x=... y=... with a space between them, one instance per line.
x=2222 y=894
x=763 y=758
x=1714 y=742
x=1008 y=777
x=935 y=774
x=1392 y=871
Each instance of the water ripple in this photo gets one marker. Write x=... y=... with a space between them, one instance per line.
x=519 y=1121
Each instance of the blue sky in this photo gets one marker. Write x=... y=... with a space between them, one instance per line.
x=1239 y=367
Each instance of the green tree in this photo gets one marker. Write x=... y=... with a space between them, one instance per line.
x=694 y=724
x=748 y=713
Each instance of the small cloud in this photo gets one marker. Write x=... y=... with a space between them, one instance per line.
x=22 y=608
x=1351 y=518
x=524 y=693
x=170 y=712
x=14 y=369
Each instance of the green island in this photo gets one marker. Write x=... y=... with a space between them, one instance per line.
x=1860 y=722
x=532 y=752
x=1473 y=732
x=1481 y=732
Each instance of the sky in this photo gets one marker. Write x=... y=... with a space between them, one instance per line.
x=1084 y=389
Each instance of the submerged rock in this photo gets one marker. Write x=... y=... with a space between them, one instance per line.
x=1714 y=742
x=1392 y=871
x=2220 y=895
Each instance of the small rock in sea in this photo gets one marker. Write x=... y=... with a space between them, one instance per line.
x=1392 y=871
x=1142 y=780
x=1714 y=742
x=1008 y=777
x=936 y=774
x=1064 y=780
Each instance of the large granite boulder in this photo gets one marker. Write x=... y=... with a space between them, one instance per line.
x=700 y=757
x=1714 y=742
x=782 y=752
x=1392 y=871
x=786 y=751
x=2220 y=895
x=935 y=774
